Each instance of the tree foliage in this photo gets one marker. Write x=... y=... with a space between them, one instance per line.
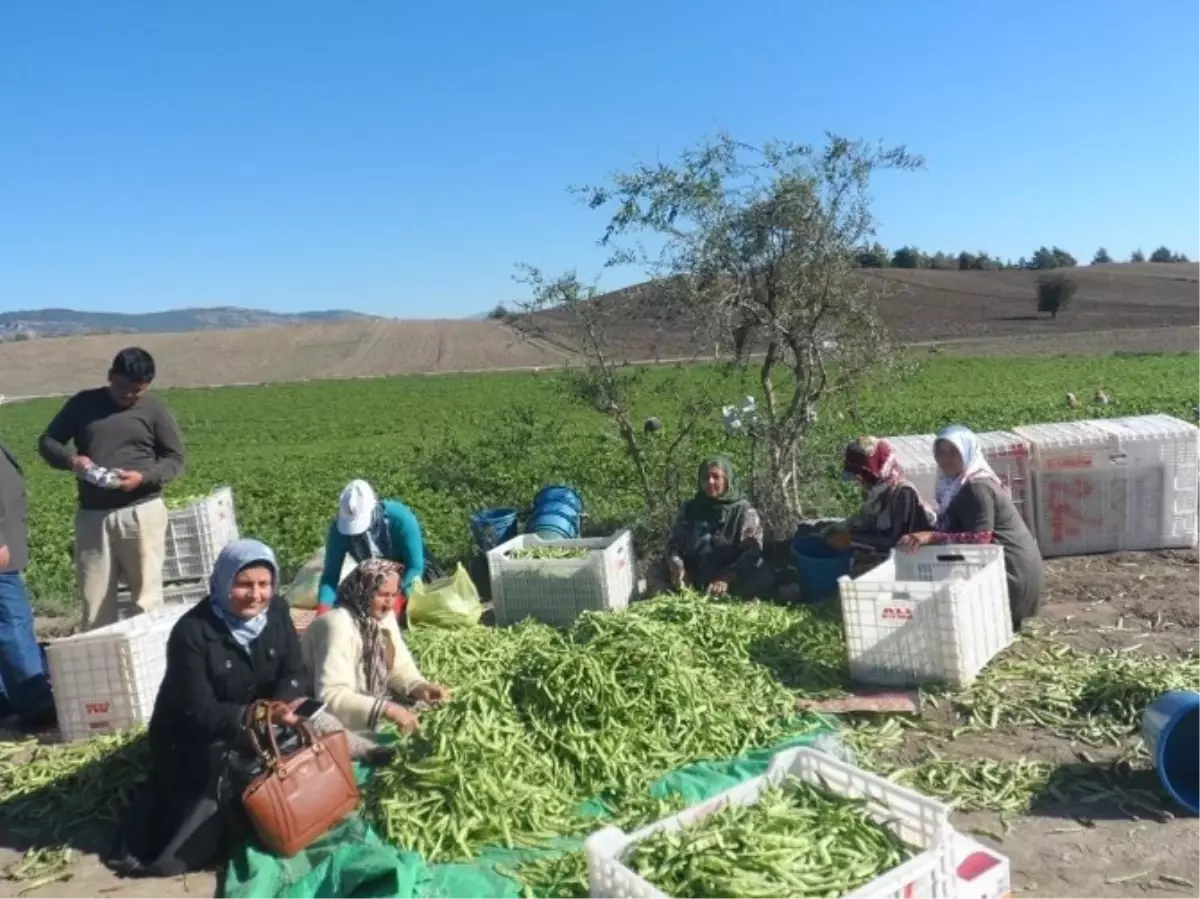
x=1165 y=254
x=1055 y=292
x=1101 y=257
x=1137 y=256
x=762 y=244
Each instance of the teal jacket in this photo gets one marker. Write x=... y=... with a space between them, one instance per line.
x=407 y=548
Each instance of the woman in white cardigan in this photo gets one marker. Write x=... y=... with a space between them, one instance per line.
x=358 y=659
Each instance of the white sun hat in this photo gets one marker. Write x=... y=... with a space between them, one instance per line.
x=355 y=508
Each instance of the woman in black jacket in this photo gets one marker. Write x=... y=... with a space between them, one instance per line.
x=236 y=646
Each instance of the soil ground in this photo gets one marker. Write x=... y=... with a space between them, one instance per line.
x=1147 y=600
x=1118 y=308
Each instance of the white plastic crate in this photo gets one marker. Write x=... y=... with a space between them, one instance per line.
x=1114 y=484
x=107 y=679
x=980 y=872
x=556 y=591
x=936 y=615
x=919 y=821
x=1007 y=452
x=180 y=593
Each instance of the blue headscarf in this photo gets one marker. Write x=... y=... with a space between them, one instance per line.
x=975 y=466
x=233 y=558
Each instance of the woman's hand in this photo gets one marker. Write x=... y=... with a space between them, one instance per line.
x=430 y=693
x=404 y=719
x=676 y=570
x=718 y=588
x=284 y=713
x=915 y=540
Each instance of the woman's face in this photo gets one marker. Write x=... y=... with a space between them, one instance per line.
x=949 y=459
x=384 y=599
x=715 y=484
x=251 y=591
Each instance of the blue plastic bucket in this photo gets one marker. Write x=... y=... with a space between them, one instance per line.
x=559 y=493
x=819 y=565
x=555 y=520
x=491 y=527
x=1171 y=729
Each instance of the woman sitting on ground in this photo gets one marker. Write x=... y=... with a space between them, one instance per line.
x=975 y=507
x=359 y=660
x=892 y=507
x=232 y=648
x=717 y=541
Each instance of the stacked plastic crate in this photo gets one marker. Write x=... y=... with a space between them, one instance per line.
x=196 y=534
x=1104 y=485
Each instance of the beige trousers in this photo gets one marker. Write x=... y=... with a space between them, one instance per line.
x=110 y=545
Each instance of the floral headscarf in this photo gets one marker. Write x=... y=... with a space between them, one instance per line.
x=356 y=594
x=975 y=466
x=873 y=460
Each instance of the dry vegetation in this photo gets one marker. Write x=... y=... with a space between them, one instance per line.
x=1134 y=308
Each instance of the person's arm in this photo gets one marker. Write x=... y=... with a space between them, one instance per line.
x=907 y=514
x=750 y=539
x=52 y=445
x=407 y=542
x=292 y=683
x=208 y=718
x=336 y=653
x=404 y=676
x=168 y=445
x=973 y=512
x=331 y=574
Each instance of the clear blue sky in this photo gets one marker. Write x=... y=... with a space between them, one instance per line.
x=398 y=158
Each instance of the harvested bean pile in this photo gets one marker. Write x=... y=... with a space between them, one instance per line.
x=797 y=840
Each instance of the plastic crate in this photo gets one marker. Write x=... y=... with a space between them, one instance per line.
x=1009 y=454
x=936 y=615
x=1114 y=484
x=556 y=591
x=181 y=593
x=196 y=534
x=980 y=872
x=919 y=821
x=107 y=679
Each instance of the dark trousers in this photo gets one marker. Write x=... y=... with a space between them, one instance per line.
x=24 y=687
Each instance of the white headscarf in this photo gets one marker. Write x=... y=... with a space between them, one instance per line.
x=975 y=467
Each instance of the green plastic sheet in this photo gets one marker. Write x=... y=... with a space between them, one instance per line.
x=352 y=860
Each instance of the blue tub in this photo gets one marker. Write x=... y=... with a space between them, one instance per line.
x=819 y=566
x=557 y=513
x=1171 y=729
x=491 y=527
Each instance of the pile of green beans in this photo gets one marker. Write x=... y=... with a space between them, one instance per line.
x=543 y=721
x=797 y=840
x=550 y=552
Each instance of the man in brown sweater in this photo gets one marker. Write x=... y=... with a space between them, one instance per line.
x=121 y=525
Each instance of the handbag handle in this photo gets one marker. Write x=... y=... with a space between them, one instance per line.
x=254 y=719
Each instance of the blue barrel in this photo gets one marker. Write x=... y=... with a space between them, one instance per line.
x=1171 y=729
x=557 y=513
x=491 y=527
x=556 y=521
x=819 y=565
x=559 y=493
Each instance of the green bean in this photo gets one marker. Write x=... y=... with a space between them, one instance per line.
x=797 y=840
x=550 y=552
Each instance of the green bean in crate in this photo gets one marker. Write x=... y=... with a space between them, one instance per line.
x=798 y=840
x=550 y=552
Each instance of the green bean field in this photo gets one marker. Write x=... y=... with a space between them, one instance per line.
x=449 y=445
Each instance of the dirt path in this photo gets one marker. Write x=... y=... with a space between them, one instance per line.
x=1143 y=599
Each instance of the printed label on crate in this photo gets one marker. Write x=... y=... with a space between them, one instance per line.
x=1084 y=460
x=97 y=713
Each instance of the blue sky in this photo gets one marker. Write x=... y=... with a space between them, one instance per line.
x=399 y=158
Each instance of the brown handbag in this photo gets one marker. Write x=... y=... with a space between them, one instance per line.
x=299 y=797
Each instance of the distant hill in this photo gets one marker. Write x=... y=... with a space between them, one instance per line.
x=69 y=322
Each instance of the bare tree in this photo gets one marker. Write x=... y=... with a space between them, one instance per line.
x=607 y=384
x=758 y=245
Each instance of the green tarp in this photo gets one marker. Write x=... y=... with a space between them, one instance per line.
x=352 y=860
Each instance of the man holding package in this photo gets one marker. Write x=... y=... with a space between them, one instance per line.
x=126 y=448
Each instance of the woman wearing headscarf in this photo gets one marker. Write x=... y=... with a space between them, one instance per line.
x=892 y=507
x=975 y=507
x=359 y=661
x=369 y=528
x=234 y=647
x=717 y=541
